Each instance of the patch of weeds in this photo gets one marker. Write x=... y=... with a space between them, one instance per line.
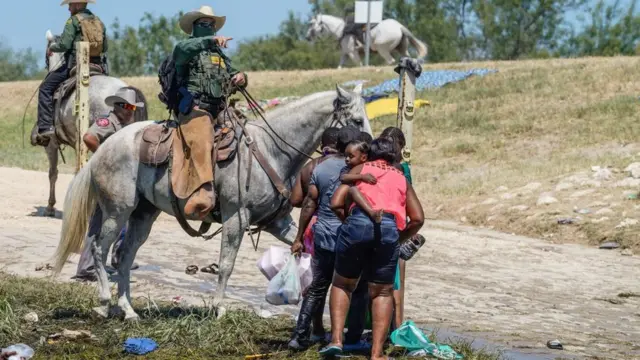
x=181 y=332
x=459 y=148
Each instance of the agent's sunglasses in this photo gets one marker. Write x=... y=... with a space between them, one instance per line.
x=127 y=106
x=205 y=24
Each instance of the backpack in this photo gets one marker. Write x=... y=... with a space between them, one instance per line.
x=92 y=32
x=168 y=79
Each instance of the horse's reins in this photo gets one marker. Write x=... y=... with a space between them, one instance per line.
x=258 y=111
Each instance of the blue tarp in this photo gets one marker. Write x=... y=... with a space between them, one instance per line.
x=427 y=80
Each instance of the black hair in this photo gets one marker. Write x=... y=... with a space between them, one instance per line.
x=362 y=146
x=383 y=149
x=365 y=137
x=396 y=135
x=346 y=135
x=330 y=137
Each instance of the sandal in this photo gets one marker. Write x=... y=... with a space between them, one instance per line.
x=191 y=270
x=331 y=350
x=211 y=269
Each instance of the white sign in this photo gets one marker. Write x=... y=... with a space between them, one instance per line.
x=361 y=12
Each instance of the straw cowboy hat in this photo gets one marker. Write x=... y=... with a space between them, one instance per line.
x=65 y=2
x=123 y=95
x=206 y=12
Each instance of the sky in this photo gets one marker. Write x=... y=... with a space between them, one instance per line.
x=24 y=25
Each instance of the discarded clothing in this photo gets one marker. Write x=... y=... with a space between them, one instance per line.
x=139 y=346
x=427 y=80
x=410 y=337
x=388 y=106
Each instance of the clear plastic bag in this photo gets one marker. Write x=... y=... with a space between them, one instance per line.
x=284 y=288
x=275 y=258
x=22 y=352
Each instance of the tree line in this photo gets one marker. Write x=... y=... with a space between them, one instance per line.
x=455 y=30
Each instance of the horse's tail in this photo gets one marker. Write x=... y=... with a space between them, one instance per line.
x=141 y=114
x=79 y=204
x=420 y=46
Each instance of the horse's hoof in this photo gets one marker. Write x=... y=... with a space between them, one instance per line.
x=220 y=311
x=101 y=311
x=132 y=317
x=50 y=212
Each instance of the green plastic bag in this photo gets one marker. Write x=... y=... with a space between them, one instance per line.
x=410 y=337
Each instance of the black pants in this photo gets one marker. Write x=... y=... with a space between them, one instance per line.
x=314 y=302
x=352 y=28
x=45 y=96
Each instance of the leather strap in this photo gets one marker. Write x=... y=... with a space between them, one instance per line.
x=205 y=226
x=273 y=175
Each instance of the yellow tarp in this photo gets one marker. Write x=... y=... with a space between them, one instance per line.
x=388 y=106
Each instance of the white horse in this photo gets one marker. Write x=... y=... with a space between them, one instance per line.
x=128 y=191
x=388 y=36
x=100 y=87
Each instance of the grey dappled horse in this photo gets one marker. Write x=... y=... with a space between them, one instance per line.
x=127 y=190
x=100 y=87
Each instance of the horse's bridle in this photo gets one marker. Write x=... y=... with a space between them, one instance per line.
x=321 y=24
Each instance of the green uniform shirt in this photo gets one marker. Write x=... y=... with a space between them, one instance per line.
x=203 y=68
x=71 y=35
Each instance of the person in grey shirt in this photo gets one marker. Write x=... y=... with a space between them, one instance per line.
x=325 y=179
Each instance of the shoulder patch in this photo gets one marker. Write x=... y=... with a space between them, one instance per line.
x=69 y=21
x=104 y=122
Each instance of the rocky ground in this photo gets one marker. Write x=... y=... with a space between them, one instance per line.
x=598 y=206
x=515 y=291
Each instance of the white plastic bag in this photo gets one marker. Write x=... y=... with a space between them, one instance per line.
x=284 y=288
x=275 y=258
x=22 y=352
x=304 y=271
x=272 y=261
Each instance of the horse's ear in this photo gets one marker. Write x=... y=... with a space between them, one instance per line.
x=343 y=94
x=358 y=89
x=49 y=35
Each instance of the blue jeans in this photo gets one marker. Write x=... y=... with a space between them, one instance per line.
x=368 y=250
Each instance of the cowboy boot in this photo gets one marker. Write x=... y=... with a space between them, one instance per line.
x=201 y=203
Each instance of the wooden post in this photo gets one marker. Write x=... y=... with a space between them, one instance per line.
x=406 y=98
x=367 y=45
x=81 y=110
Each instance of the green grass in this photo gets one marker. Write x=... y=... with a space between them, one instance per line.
x=181 y=333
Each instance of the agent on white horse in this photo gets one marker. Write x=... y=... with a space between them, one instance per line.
x=388 y=36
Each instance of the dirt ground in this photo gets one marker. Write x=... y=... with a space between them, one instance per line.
x=510 y=290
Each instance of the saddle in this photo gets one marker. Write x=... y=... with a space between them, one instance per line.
x=360 y=33
x=164 y=143
x=158 y=140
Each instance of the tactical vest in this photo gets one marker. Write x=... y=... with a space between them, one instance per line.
x=208 y=78
x=93 y=32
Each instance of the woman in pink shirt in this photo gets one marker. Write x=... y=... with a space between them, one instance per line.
x=369 y=249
